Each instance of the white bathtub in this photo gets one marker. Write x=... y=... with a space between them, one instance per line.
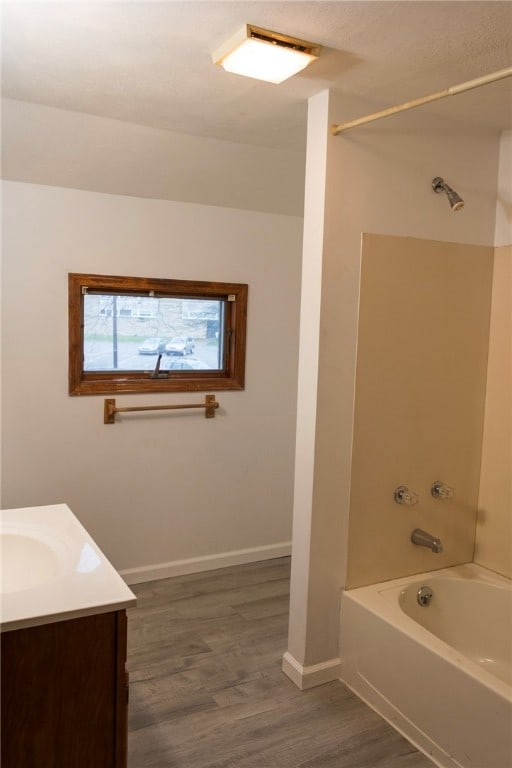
x=441 y=674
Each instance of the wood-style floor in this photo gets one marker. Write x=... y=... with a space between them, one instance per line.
x=207 y=691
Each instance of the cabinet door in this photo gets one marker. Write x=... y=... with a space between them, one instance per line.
x=122 y=691
x=60 y=696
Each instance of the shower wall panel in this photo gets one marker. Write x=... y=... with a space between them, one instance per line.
x=419 y=406
x=494 y=525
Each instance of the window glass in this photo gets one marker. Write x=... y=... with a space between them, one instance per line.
x=129 y=332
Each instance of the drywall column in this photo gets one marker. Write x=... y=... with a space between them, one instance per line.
x=322 y=466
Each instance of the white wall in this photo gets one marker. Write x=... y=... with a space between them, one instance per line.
x=152 y=488
x=378 y=180
x=45 y=145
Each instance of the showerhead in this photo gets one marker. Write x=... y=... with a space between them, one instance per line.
x=439 y=185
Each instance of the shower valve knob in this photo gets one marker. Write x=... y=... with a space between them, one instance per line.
x=403 y=495
x=441 y=491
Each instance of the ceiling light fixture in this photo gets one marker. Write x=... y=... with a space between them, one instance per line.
x=265 y=55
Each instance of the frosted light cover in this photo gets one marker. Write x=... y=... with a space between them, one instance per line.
x=266 y=61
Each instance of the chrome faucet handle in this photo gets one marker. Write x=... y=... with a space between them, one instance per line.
x=403 y=495
x=441 y=491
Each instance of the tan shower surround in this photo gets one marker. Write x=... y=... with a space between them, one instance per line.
x=419 y=407
x=494 y=525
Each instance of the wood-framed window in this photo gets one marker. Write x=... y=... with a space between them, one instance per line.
x=138 y=334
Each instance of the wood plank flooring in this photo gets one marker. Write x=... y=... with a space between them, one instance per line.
x=207 y=690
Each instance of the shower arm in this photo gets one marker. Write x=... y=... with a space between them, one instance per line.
x=469 y=85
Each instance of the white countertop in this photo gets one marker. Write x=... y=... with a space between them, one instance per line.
x=52 y=570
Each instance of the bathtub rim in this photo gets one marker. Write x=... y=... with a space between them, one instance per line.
x=381 y=598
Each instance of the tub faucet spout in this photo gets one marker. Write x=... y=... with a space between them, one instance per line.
x=424 y=539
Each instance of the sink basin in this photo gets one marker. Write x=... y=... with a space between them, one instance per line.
x=52 y=570
x=26 y=562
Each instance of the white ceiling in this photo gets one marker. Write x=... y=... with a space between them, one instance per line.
x=149 y=63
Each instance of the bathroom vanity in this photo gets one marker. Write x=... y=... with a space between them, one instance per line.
x=63 y=645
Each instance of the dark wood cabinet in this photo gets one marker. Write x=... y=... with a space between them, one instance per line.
x=64 y=694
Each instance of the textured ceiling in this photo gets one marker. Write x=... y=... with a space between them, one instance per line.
x=150 y=62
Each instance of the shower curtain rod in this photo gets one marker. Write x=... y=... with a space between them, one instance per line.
x=461 y=88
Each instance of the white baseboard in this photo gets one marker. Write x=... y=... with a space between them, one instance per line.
x=206 y=563
x=309 y=677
